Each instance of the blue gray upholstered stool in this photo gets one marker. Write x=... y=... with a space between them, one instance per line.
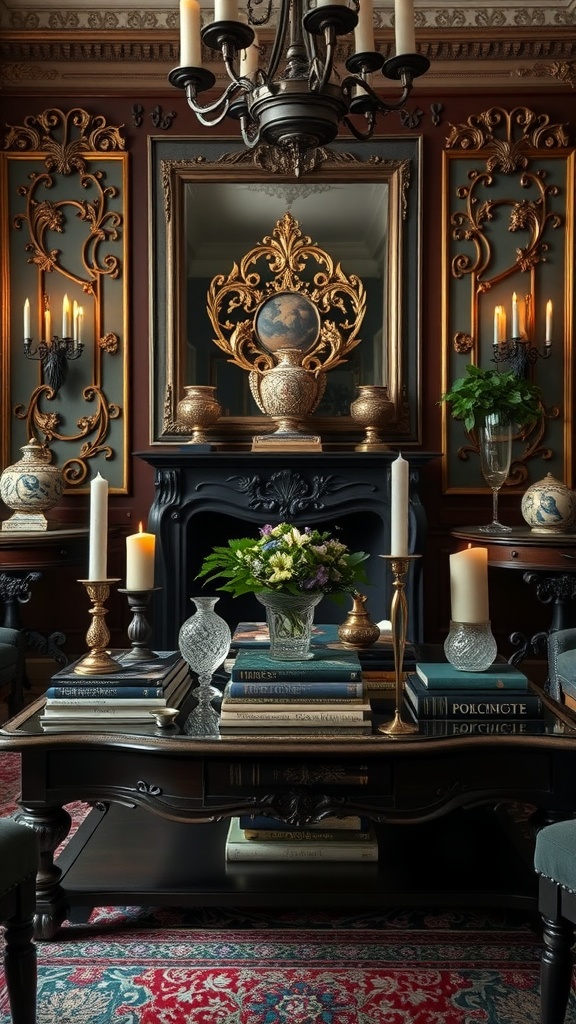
x=555 y=862
x=19 y=859
x=561 y=660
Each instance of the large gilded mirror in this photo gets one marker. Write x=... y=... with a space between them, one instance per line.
x=210 y=202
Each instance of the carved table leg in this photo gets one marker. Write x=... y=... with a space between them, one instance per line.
x=51 y=825
x=556 y=970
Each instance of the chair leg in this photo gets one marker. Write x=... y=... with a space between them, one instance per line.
x=556 y=969
x=20 y=968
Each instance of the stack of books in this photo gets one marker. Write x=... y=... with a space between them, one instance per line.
x=261 y=838
x=376 y=661
x=323 y=692
x=446 y=701
x=126 y=696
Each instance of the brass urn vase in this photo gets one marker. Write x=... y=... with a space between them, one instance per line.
x=288 y=392
x=372 y=409
x=358 y=629
x=30 y=487
x=198 y=410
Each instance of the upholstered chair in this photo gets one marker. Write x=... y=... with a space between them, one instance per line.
x=12 y=666
x=561 y=660
x=19 y=859
x=555 y=863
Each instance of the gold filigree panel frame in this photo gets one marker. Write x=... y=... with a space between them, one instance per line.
x=64 y=186
x=508 y=194
x=206 y=202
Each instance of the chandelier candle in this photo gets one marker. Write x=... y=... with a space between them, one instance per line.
x=364 y=31
x=400 y=475
x=469 y=585
x=98 y=550
x=404 y=26
x=190 y=42
x=140 y=549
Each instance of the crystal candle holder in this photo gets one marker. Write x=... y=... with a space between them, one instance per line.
x=470 y=646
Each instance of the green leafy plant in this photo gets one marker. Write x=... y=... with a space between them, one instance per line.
x=484 y=392
x=286 y=559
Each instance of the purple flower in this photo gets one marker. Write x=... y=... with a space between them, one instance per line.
x=265 y=531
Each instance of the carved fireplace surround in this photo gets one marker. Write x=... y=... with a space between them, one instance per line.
x=205 y=498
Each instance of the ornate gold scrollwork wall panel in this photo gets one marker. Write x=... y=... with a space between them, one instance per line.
x=508 y=191
x=64 y=284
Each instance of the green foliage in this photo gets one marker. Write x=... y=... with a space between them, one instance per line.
x=285 y=559
x=483 y=392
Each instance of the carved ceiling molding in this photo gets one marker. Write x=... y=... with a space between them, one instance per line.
x=76 y=47
x=69 y=15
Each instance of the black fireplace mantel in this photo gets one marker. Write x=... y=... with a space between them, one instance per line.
x=204 y=498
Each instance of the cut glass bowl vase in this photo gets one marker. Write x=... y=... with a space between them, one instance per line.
x=204 y=642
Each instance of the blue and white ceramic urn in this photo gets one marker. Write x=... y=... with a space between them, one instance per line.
x=549 y=506
x=30 y=487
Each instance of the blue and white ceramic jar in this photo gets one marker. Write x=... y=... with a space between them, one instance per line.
x=30 y=487
x=549 y=506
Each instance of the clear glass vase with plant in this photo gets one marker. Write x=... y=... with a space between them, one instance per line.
x=494 y=404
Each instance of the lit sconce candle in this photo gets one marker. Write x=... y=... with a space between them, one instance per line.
x=548 y=337
x=74 y=319
x=226 y=10
x=249 y=59
x=404 y=30
x=66 y=330
x=499 y=325
x=79 y=323
x=98 y=550
x=27 y=319
x=400 y=478
x=515 y=329
x=140 y=560
x=47 y=325
x=190 y=39
x=364 y=31
x=469 y=585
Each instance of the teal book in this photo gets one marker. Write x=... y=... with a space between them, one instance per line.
x=442 y=675
x=470 y=703
x=257 y=666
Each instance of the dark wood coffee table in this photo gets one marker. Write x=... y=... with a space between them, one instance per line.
x=161 y=802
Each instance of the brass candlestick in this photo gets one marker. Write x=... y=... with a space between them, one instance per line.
x=99 y=662
x=139 y=630
x=399 y=621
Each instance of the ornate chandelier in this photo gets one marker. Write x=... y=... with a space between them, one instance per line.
x=298 y=101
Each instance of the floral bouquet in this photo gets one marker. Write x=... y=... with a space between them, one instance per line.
x=285 y=559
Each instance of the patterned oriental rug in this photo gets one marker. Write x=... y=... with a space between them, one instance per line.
x=211 y=966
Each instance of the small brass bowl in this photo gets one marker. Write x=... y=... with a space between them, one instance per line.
x=164 y=717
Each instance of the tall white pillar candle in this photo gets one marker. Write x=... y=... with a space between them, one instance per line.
x=140 y=549
x=27 y=319
x=98 y=549
x=404 y=30
x=399 y=507
x=190 y=39
x=226 y=10
x=364 y=31
x=469 y=585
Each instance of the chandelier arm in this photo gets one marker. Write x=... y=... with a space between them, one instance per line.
x=330 y=38
x=382 y=106
x=362 y=136
x=280 y=36
x=222 y=101
x=250 y=138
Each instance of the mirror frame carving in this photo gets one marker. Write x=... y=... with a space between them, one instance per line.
x=395 y=160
